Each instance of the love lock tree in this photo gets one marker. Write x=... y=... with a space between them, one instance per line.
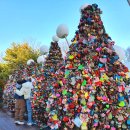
x=1 y=92
x=93 y=94
x=53 y=62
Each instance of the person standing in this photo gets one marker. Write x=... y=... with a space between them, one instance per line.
x=26 y=91
x=20 y=104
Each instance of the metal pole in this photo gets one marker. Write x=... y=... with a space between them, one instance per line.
x=67 y=41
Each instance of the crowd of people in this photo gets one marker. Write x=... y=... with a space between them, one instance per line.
x=90 y=89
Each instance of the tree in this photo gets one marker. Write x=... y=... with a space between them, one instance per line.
x=93 y=93
x=53 y=62
x=4 y=71
x=19 y=54
x=1 y=57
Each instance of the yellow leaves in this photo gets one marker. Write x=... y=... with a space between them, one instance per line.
x=4 y=71
x=16 y=55
x=19 y=54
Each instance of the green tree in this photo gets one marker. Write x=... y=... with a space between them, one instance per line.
x=4 y=71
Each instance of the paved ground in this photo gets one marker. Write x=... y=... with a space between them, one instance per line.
x=7 y=123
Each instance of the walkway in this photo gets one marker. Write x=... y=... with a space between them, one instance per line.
x=7 y=123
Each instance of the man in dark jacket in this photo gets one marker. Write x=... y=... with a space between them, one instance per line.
x=19 y=105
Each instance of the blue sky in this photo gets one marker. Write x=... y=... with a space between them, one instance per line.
x=37 y=20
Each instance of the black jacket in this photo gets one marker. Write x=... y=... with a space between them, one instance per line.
x=19 y=86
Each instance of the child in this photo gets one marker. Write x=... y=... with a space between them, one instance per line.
x=26 y=91
x=20 y=104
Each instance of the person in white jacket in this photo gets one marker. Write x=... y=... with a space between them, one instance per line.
x=26 y=91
